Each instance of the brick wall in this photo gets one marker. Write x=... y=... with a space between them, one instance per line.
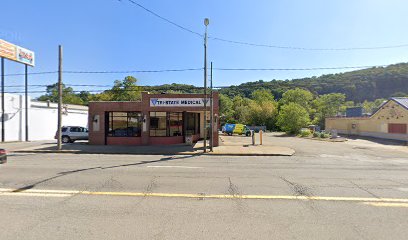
x=97 y=137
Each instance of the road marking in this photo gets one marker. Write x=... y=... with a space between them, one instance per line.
x=68 y=193
x=173 y=167
x=386 y=204
x=27 y=194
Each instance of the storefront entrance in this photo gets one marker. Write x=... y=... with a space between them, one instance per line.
x=158 y=119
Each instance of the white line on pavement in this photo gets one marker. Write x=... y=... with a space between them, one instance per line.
x=173 y=167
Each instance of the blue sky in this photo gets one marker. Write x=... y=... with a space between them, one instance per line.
x=105 y=35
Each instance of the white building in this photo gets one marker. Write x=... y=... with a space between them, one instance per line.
x=42 y=118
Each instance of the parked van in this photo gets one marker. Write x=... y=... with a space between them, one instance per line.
x=236 y=129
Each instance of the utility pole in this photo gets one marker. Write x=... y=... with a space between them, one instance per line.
x=26 y=102
x=3 y=137
x=59 y=97
x=212 y=109
x=206 y=22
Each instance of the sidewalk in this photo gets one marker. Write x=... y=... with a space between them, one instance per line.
x=181 y=149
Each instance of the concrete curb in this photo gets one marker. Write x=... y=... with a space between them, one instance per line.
x=325 y=139
x=149 y=153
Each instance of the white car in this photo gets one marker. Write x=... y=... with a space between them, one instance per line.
x=72 y=133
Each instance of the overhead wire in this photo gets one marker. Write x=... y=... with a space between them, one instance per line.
x=298 y=69
x=199 y=69
x=134 y=71
x=264 y=45
x=307 y=49
x=165 y=19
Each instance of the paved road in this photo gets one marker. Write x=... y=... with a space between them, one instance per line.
x=352 y=190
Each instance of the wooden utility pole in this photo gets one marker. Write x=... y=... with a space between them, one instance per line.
x=59 y=133
x=206 y=22
x=211 y=110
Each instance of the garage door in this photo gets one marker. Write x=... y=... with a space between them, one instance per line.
x=397 y=128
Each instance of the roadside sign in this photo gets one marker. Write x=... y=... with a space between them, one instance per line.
x=16 y=53
x=8 y=50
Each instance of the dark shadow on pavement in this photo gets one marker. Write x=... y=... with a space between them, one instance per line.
x=62 y=174
x=377 y=140
x=84 y=147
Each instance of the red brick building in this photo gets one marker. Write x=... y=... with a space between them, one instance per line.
x=158 y=119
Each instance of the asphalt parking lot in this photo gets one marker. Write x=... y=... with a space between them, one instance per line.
x=351 y=190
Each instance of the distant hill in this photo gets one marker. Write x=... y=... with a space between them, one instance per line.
x=360 y=85
x=367 y=84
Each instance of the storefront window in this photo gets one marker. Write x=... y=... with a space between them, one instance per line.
x=125 y=124
x=176 y=124
x=166 y=124
x=158 y=124
x=193 y=123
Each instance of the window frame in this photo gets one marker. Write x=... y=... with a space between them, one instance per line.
x=167 y=117
x=132 y=114
x=196 y=122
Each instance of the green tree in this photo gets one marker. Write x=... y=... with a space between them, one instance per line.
x=368 y=106
x=126 y=90
x=226 y=108
x=262 y=114
x=68 y=95
x=240 y=106
x=399 y=94
x=327 y=105
x=299 y=96
x=262 y=110
x=292 y=117
x=262 y=95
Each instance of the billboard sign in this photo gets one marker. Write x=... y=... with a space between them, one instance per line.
x=25 y=56
x=16 y=53
x=177 y=102
x=8 y=50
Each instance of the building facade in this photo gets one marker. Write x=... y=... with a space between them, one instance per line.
x=42 y=118
x=390 y=121
x=158 y=119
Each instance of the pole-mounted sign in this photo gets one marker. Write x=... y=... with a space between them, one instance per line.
x=21 y=55
x=16 y=53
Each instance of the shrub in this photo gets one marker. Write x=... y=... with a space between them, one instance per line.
x=325 y=135
x=305 y=133
x=316 y=134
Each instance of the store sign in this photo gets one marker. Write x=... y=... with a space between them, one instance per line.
x=178 y=102
x=8 y=50
x=25 y=56
x=16 y=53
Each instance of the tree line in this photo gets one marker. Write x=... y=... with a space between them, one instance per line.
x=295 y=109
x=367 y=84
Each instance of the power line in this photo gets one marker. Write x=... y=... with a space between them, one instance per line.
x=308 y=49
x=31 y=73
x=134 y=71
x=111 y=90
x=297 y=69
x=199 y=69
x=164 y=19
x=264 y=45
x=108 y=72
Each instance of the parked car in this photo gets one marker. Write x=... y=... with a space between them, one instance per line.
x=3 y=156
x=72 y=133
x=237 y=129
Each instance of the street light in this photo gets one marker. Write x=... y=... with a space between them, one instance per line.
x=206 y=23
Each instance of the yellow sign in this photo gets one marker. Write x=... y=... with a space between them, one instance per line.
x=16 y=53
x=8 y=50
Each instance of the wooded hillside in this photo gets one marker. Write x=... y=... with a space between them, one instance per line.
x=367 y=84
